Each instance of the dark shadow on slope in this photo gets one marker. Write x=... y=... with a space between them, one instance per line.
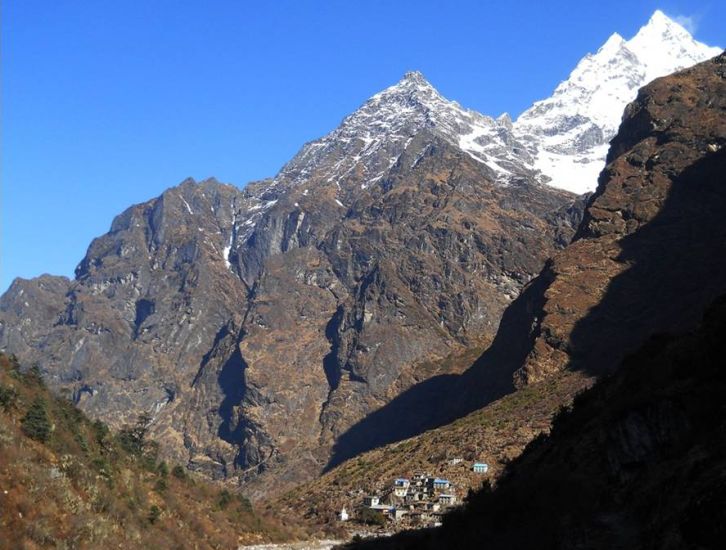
x=441 y=399
x=330 y=361
x=637 y=462
x=678 y=268
x=232 y=383
x=491 y=376
x=144 y=308
x=409 y=413
x=222 y=370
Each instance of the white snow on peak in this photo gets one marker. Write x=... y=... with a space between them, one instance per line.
x=568 y=133
x=664 y=46
x=186 y=205
x=564 y=138
x=370 y=141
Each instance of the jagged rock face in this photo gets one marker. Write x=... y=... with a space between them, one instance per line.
x=651 y=250
x=567 y=134
x=648 y=257
x=134 y=332
x=636 y=462
x=368 y=142
x=257 y=326
x=417 y=268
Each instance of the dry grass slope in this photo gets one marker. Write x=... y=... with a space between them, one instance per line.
x=496 y=435
x=68 y=482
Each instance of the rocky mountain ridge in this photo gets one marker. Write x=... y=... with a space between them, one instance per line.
x=568 y=133
x=378 y=259
x=322 y=312
x=370 y=140
x=561 y=140
x=647 y=259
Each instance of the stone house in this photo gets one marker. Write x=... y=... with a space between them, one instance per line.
x=447 y=500
x=396 y=514
x=371 y=501
x=401 y=487
x=480 y=468
x=440 y=484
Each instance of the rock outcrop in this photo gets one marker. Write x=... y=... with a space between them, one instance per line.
x=379 y=260
x=650 y=252
x=225 y=313
x=637 y=460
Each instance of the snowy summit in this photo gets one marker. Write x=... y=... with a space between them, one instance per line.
x=370 y=140
x=561 y=141
x=569 y=132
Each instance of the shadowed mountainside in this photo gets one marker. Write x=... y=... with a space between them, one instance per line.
x=637 y=462
x=68 y=482
x=649 y=256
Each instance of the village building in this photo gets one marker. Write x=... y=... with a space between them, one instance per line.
x=397 y=513
x=447 y=500
x=401 y=487
x=480 y=468
x=419 y=500
x=371 y=501
x=421 y=518
x=440 y=484
x=383 y=508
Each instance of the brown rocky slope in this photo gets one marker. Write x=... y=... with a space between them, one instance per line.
x=648 y=257
x=320 y=295
x=69 y=482
x=638 y=462
x=649 y=254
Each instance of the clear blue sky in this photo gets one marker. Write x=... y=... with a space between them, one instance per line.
x=107 y=103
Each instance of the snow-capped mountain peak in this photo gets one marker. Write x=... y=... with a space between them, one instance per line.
x=412 y=81
x=564 y=137
x=569 y=132
x=369 y=141
x=665 y=46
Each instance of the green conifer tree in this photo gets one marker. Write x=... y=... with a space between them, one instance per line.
x=35 y=423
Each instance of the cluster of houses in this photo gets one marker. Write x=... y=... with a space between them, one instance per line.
x=420 y=500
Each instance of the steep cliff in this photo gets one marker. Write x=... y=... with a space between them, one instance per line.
x=637 y=461
x=225 y=312
x=649 y=254
x=648 y=257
